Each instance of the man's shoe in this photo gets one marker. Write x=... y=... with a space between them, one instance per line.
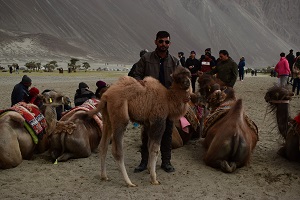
x=167 y=167
x=141 y=167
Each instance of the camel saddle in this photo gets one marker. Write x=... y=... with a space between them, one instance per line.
x=88 y=105
x=35 y=122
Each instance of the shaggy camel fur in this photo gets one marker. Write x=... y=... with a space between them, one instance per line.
x=229 y=135
x=278 y=99
x=148 y=103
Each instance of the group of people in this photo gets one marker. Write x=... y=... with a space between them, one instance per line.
x=289 y=66
x=225 y=68
x=22 y=93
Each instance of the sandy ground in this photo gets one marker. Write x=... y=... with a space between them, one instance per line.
x=268 y=176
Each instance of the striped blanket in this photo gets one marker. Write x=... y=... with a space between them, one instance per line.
x=88 y=105
x=35 y=121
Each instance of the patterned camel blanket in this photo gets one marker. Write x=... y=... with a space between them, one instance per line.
x=88 y=105
x=35 y=122
x=194 y=115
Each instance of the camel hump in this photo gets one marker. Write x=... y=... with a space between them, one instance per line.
x=237 y=111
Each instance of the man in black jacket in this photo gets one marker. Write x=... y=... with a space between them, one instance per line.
x=160 y=65
x=291 y=59
x=194 y=66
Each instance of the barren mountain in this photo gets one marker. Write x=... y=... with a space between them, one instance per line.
x=115 y=31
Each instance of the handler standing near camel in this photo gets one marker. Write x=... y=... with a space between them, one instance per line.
x=226 y=69
x=158 y=64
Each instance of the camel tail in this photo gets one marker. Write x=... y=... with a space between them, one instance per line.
x=101 y=105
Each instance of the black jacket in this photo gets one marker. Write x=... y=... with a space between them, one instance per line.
x=82 y=95
x=19 y=93
x=193 y=62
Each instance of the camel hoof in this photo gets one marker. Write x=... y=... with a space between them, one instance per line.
x=228 y=167
x=155 y=182
x=104 y=179
x=131 y=185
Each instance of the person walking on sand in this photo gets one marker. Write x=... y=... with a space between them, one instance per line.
x=160 y=65
x=283 y=70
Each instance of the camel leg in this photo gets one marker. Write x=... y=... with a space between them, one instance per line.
x=104 y=146
x=10 y=154
x=216 y=154
x=117 y=151
x=155 y=135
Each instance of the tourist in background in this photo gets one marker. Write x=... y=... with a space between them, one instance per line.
x=181 y=58
x=296 y=74
x=283 y=70
x=291 y=59
x=194 y=66
x=241 y=67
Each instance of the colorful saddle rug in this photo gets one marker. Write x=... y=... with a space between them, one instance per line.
x=88 y=105
x=35 y=122
x=194 y=115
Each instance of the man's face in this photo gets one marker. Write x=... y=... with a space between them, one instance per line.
x=223 y=57
x=193 y=55
x=163 y=44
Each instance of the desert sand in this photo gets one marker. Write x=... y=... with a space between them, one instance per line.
x=268 y=176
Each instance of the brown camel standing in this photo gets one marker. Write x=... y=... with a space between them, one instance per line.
x=150 y=104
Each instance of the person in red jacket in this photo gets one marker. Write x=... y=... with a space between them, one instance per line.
x=207 y=63
x=283 y=70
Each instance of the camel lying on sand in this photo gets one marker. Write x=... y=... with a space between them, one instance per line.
x=149 y=103
x=229 y=135
x=16 y=143
x=77 y=135
x=278 y=99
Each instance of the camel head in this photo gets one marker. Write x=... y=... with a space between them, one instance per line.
x=55 y=98
x=181 y=78
x=277 y=94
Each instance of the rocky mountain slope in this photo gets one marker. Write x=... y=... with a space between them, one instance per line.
x=115 y=31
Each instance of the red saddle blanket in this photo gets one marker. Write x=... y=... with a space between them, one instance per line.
x=32 y=116
x=88 y=105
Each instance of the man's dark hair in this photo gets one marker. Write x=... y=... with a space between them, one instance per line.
x=297 y=53
x=162 y=34
x=224 y=52
x=282 y=54
x=181 y=53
